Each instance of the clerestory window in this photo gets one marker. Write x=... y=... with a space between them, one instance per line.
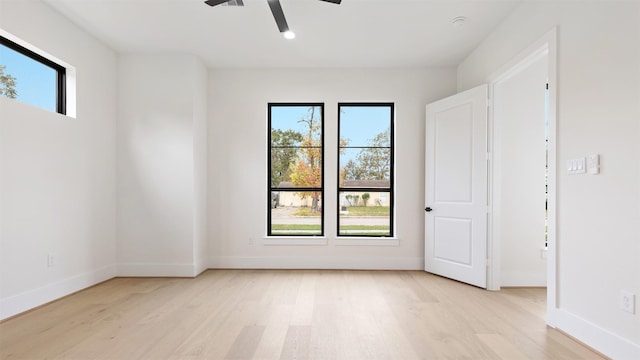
x=31 y=78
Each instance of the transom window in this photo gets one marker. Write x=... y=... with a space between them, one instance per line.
x=31 y=78
x=365 y=174
x=296 y=160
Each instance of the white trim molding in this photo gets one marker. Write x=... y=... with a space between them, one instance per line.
x=157 y=270
x=546 y=45
x=600 y=339
x=317 y=262
x=16 y=304
x=518 y=279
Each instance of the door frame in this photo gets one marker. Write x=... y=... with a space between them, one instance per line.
x=547 y=44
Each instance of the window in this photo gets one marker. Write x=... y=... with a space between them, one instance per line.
x=31 y=78
x=365 y=173
x=296 y=151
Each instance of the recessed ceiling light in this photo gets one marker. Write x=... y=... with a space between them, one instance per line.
x=458 y=21
x=289 y=35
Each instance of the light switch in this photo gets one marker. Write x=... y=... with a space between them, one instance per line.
x=576 y=166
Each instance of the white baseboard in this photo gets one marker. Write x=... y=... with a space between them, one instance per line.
x=200 y=266
x=16 y=304
x=533 y=279
x=313 y=262
x=156 y=270
x=600 y=339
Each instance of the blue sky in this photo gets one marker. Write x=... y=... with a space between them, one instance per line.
x=35 y=82
x=287 y=117
x=358 y=124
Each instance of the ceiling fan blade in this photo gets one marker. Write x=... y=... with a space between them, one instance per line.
x=215 y=2
x=333 y=1
x=278 y=15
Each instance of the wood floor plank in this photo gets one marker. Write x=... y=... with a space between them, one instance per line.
x=297 y=343
x=502 y=347
x=245 y=345
x=303 y=310
x=274 y=336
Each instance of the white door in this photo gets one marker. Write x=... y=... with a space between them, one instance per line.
x=456 y=187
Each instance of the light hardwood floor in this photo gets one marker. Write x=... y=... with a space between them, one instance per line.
x=290 y=314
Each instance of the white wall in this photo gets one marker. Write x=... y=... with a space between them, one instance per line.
x=57 y=173
x=238 y=152
x=201 y=166
x=161 y=165
x=519 y=172
x=598 y=112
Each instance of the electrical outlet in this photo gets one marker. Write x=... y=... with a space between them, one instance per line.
x=51 y=260
x=628 y=302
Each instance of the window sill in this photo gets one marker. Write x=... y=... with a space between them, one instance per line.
x=366 y=241
x=323 y=241
x=285 y=241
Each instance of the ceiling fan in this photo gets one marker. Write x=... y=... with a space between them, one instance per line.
x=276 y=10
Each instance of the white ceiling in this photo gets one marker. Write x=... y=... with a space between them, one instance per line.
x=357 y=33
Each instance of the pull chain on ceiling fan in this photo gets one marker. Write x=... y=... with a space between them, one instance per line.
x=276 y=10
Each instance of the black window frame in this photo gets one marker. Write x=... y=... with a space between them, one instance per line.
x=390 y=190
x=61 y=72
x=271 y=189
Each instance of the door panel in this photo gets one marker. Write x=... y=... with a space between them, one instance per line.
x=456 y=187
x=455 y=240
x=453 y=140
